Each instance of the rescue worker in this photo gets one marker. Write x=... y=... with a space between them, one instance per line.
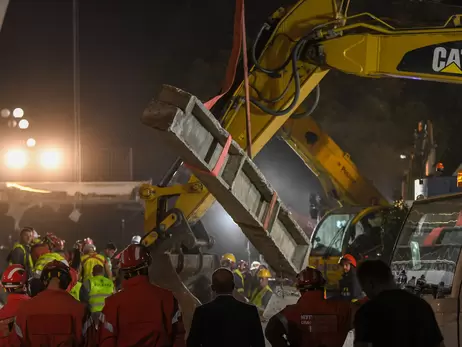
x=348 y=284
x=36 y=284
x=136 y=240
x=262 y=295
x=313 y=320
x=141 y=314
x=14 y=281
x=75 y=285
x=109 y=253
x=228 y=260
x=20 y=254
x=88 y=261
x=95 y=290
x=251 y=282
x=53 y=317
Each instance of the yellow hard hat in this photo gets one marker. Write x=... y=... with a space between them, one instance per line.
x=264 y=273
x=229 y=256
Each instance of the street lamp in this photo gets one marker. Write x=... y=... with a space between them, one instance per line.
x=23 y=124
x=5 y=113
x=18 y=113
x=31 y=142
x=50 y=159
x=16 y=159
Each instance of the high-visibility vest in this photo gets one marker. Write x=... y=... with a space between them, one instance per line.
x=241 y=276
x=75 y=291
x=43 y=261
x=88 y=263
x=258 y=294
x=27 y=257
x=100 y=288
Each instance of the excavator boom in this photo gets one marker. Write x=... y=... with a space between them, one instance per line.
x=303 y=43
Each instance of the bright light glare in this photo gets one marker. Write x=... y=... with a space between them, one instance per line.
x=31 y=142
x=50 y=159
x=5 y=113
x=23 y=124
x=18 y=113
x=16 y=159
x=403 y=156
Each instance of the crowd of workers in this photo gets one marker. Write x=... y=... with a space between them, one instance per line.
x=73 y=298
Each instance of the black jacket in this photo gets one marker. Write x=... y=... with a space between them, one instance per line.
x=349 y=286
x=225 y=322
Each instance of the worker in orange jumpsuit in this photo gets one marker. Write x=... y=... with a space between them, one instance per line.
x=52 y=318
x=141 y=314
x=14 y=281
x=313 y=320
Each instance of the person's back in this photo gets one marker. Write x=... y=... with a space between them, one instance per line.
x=52 y=318
x=141 y=314
x=89 y=261
x=143 y=305
x=225 y=321
x=315 y=321
x=409 y=317
x=392 y=317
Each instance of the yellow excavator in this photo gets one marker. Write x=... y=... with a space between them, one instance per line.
x=302 y=43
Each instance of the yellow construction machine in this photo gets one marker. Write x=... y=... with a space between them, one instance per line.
x=302 y=43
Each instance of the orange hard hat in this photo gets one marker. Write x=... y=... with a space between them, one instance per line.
x=349 y=258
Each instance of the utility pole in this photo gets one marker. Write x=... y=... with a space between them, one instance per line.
x=76 y=64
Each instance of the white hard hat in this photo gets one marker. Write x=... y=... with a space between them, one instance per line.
x=136 y=239
x=255 y=265
x=89 y=248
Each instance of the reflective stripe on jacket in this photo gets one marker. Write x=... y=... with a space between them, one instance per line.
x=89 y=261
x=27 y=257
x=75 y=291
x=44 y=260
x=258 y=294
x=100 y=288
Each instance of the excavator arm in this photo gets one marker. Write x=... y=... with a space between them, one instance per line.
x=302 y=44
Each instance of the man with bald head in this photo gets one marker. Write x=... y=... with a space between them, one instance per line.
x=214 y=323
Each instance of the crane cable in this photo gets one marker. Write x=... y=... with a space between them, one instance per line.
x=239 y=43
x=248 y=128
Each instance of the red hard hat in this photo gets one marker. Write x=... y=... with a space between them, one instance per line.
x=310 y=278
x=53 y=241
x=14 y=276
x=87 y=241
x=135 y=257
x=349 y=258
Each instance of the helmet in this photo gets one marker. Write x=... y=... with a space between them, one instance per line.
x=57 y=269
x=348 y=258
x=53 y=241
x=135 y=257
x=136 y=240
x=255 y=265
x=229 y=256
x=310 y=278
x=243 y=264
x=14 y=276
x=264 y=273
x=89 y=247
x=111 y=246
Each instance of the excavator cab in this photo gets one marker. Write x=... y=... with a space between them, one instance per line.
x=364 y=232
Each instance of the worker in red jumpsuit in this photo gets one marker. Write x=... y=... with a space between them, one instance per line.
x=52 y=318
x=141 y=314
x=313 y=320
x=14 y=281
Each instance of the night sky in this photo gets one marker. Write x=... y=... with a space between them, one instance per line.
x=129 y=48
